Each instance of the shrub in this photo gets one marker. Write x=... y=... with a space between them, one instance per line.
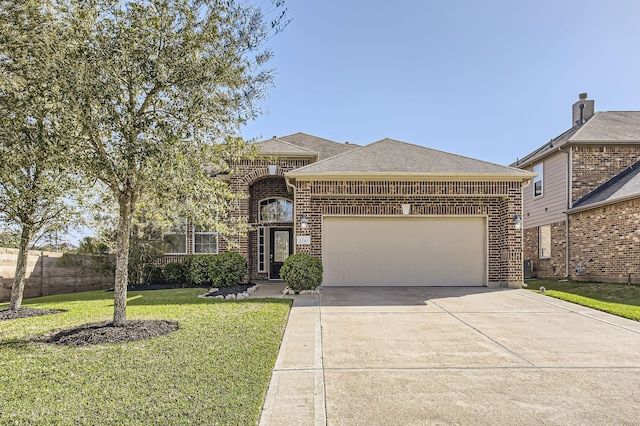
x=154 y=275
x=227 y=269
x=302 y=272
x=174 y=273
x=197 y=269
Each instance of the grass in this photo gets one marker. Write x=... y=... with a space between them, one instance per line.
x=214 y=370
x=618 y=299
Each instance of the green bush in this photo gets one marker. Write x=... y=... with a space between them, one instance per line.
x=197 y=269
x=174 y=273
x=153 y=275
x=227 y=269
x=302 y=272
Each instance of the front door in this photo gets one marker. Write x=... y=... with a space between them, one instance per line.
x=281 y=247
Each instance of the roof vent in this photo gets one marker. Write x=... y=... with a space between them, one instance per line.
x=582 y=110
x=275 y=137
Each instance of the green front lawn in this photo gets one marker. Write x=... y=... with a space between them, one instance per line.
x=618 y=299
x=214 y=370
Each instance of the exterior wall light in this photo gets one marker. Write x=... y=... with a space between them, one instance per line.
x=272 y=169
x=517 y=222
x=304 y=221
x=406 y=208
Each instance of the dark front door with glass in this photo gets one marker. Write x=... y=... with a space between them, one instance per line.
x=281 y=247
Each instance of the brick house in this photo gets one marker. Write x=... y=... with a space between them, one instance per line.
x=388 y=213
x=582 y=212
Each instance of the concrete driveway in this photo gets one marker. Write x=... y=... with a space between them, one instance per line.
x=420 y=356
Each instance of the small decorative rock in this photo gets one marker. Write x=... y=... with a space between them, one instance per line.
x=240 y=296
x=542 y=289
x=244 y=295
x=213 y=289
x=230 y=296
x=287 y=290
x=219 y=297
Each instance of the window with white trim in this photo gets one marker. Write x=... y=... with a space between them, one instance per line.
x=537 y=181
x=176 y=239
x=262 y=254
x=544 y=242
x=276 y=210
x=204 y=242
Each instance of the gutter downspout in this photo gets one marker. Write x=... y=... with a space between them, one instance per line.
x=569 y=205
x=295 y=222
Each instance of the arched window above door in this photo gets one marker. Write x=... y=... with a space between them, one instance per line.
x=276 y=210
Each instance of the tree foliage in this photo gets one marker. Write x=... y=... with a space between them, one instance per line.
x=37 y=179
x=159 y=88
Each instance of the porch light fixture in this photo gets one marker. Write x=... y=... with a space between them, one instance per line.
x=304 y=221
x=406 y=208
x=272 y=169
x=517 y=222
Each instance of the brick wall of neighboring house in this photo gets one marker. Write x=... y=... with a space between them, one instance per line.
x=592 y=165
x=610 y=236
x=499 y=201
x=553 y=266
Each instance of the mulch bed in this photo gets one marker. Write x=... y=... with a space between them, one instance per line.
x=7 y=314
x=105 y=332
x=235 y=289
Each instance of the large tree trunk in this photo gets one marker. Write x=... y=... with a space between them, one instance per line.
x=122 y=261
x=21 y=269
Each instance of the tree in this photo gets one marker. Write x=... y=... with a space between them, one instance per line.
x=37 y=182
x=159 y=86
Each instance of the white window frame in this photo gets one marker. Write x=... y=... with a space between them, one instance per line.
x=262 y=249
x=278 y=199
x=186 y=238
x=542 y=253
x=538 y=168
x=196 y=232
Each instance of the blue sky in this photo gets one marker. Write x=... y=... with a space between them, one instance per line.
x=488 y=79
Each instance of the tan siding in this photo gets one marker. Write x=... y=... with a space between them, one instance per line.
x=550 y=207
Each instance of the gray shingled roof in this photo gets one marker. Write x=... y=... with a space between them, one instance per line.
x=602 y=127
x=279 y=146
x=622 y=186
x=611 y=126
x=324 y=147
x=391 y=157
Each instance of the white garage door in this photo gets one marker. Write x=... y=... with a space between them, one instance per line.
x=404 y=251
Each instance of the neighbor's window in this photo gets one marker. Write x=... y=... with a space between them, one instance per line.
x=176 y=238
x=537 y=181
x=276 y=210
x=204 y=241
x=544 y=241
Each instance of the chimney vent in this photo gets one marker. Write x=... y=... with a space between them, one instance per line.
x=582 y=110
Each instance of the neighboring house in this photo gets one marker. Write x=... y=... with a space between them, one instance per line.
x=388 y=213
x=582 y=211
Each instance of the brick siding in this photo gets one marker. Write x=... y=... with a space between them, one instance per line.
x=594 y=165
x=499 y=201
x=554 y=266
x=611 y=237
x=252 y=177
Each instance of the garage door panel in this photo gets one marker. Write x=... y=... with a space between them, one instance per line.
x=378 y=251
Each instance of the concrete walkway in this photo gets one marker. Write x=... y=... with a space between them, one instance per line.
x=416 y=356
